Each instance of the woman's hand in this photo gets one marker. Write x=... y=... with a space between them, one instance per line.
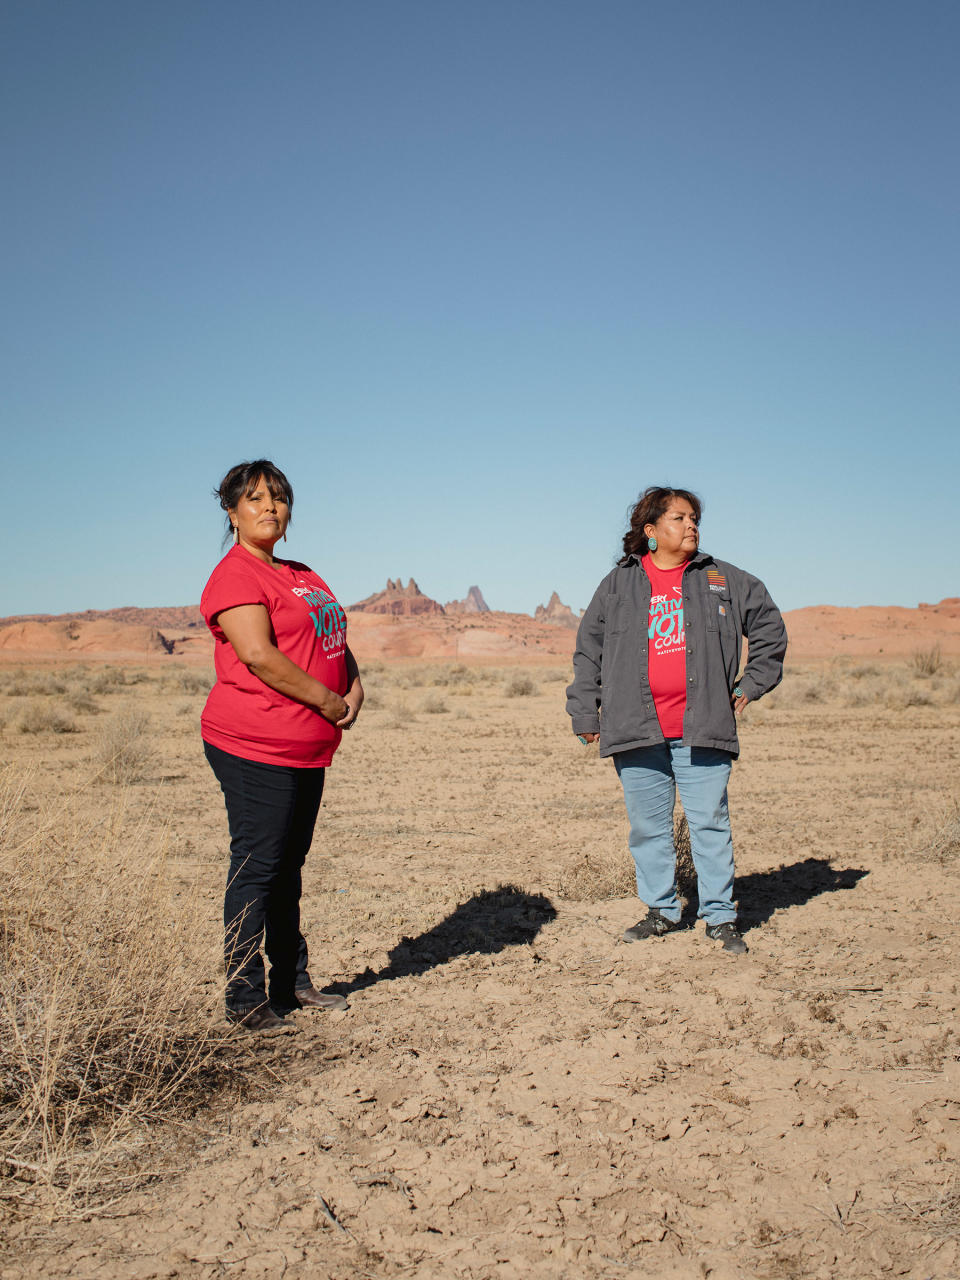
x=353 y=698
x=353 y=704
x=739 y=702
x=589 y=737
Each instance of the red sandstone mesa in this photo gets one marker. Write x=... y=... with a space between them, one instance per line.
x=404 y=601
x=401 y=622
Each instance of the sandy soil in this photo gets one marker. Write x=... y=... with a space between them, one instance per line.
x=516 y=1092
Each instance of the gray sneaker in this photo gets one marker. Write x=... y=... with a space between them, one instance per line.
x=729 y=935
x=653 y=925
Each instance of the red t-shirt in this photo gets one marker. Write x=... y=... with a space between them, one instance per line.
x=243 y=715
x=667 y=647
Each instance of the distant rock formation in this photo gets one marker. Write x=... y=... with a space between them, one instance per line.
x=950 y=606
x=168 y=617
x=556 y=613
x=404 y=601
x=473 y=602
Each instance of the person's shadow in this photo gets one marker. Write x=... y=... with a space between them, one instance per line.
x=761 y=893
x=483 y=925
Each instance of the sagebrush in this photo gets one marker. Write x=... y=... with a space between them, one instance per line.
x=102 y=1037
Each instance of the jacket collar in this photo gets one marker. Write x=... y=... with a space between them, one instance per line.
x=701 y=558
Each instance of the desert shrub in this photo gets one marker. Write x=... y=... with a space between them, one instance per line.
x=44 y=717
x=106 y=680
x=401 y=716
x=908 y=697
x=184 y=680
x=81 y=702
x=799 y=686
x=34 y=684
x=519 y=686
x=101 y=1036
x=926 y=662
x=458 y=674
x=686 y=872
x=861 y=697
x=433 y=704
x=944 y=845
x=602 y=874
x=124 y=747
x=556 y=675
x=596 y=875
x=10 y=682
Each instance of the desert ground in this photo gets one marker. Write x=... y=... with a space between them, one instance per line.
x=513 y=1090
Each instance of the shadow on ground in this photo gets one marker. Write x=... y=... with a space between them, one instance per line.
x=483 y=925
x=761 y=893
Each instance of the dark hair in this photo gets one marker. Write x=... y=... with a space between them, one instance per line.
x=241 y=480
x=650 y=506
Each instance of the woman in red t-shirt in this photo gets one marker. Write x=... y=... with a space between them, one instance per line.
x=287 y=686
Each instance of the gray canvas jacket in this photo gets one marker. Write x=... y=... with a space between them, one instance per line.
x=610 y=693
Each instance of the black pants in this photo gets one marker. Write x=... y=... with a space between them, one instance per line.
x=271 y=810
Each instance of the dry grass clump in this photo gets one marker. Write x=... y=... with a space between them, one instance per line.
x=686 y=871
x=446 y=675
x=401 y=716
x=81 y=702
x=924 y=681
x=520 y=685
x=105 y=680
x=938 y=1215
x=944 y=845
x=42 y=717
x=433 y=704
x=600 y=875
x=452 y=676
x=908 y=697
x=927 y=662
x=124 y=747
x=73 y=681
x=101 y=1038
x=186 y=680
x=32 y=684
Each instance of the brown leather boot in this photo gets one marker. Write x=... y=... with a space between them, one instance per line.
x=262 y=1018
x=311 y=998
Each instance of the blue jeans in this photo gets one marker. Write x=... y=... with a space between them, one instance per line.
x=650 y=777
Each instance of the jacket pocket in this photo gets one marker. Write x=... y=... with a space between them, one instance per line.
x=615 y=614
x=719 y=611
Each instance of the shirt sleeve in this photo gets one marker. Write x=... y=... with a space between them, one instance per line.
x=230 y=584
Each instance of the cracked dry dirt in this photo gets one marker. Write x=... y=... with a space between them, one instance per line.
x=515 y=1092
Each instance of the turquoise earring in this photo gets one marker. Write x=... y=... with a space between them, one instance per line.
x=652 y=544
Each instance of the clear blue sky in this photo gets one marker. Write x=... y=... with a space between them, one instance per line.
x=473 y=275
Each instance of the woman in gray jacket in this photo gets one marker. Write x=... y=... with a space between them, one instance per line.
x=656 y=681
